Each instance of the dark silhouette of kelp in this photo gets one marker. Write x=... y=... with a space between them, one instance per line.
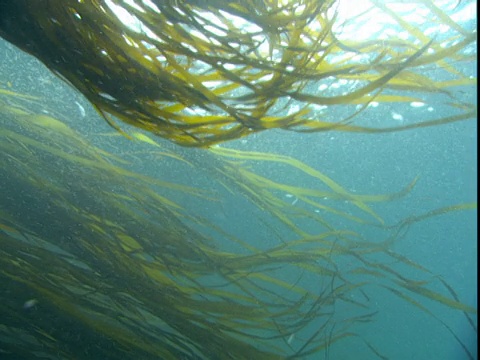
x=203 y=72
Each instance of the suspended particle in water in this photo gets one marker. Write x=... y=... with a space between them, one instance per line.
x=30 y=304
x=80 y=107
x=397 y=116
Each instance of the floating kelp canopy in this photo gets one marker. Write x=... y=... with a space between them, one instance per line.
x=203 y=72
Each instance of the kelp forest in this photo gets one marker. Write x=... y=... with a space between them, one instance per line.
x=138 y=221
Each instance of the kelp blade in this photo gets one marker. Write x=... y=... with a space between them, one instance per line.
x=199 y=73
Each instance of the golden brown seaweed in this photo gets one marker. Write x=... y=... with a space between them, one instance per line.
x=200 y=73
x=131 y=272
x=114 y=264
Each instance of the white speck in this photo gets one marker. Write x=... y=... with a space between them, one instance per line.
x=290 y=339
x=417 y=104
x=430 y=109
x=373 y=104
x=288 y=195
x=30 y=304
x=397 y=116
x=317 y=211
x=80 y=107
x=294 y=201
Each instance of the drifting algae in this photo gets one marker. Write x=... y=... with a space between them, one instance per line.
x=135 y=273
x=200 y=73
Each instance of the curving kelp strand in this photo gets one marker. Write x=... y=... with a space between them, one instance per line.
x=110 y=265
x=203 y=72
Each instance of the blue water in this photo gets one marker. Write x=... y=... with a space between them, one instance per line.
x=445 y=160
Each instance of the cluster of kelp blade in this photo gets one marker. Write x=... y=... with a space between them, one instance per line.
x=98 y=261
x=203 y=72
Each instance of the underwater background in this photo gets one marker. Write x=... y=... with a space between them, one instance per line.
x=444 y=158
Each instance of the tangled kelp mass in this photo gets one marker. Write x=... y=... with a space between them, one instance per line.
x=203 y=72
x=101 y=260
x=114 y=267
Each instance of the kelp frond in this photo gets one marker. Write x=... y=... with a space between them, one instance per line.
x=204 y=72
x=118 y=267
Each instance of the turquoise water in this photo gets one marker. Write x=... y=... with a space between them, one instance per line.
x=443 y=158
